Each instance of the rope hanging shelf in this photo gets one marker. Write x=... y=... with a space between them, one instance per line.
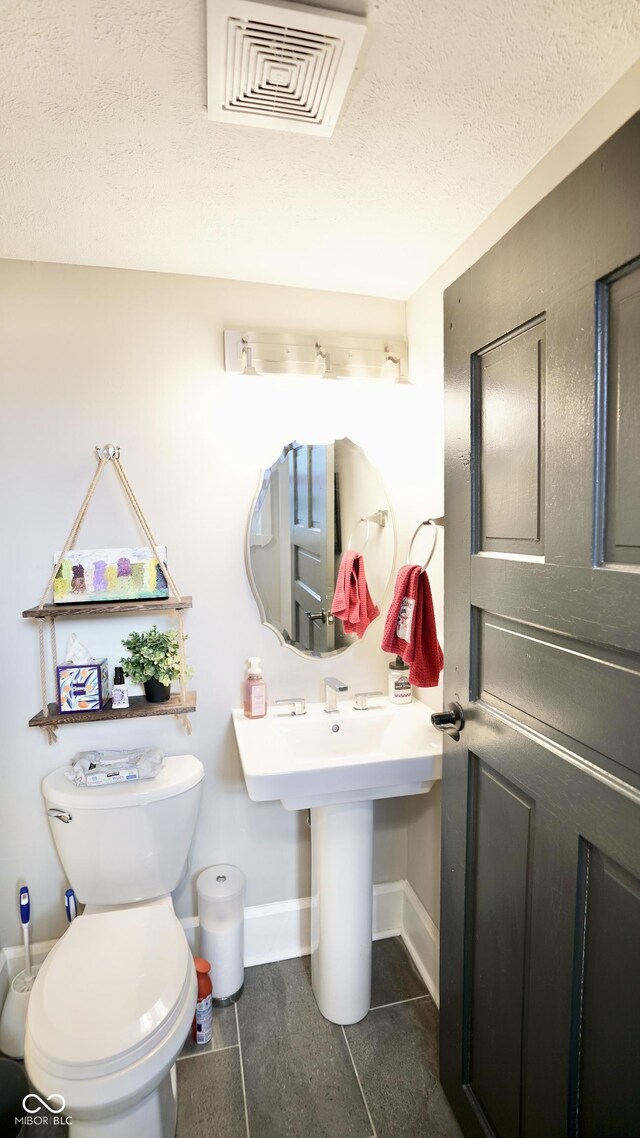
x=46 y=613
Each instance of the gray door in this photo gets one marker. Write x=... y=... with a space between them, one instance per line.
x=540 y=935
x=312 y=507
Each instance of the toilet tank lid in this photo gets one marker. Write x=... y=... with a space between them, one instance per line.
x=179 y=773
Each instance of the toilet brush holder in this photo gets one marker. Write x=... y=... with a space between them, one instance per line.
x=14 y=1014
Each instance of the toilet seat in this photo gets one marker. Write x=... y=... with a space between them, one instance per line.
x=110 y=991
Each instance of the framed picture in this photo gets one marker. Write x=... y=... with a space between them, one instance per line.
x=90 y=575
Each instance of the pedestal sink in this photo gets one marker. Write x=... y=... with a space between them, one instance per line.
x=335 y=766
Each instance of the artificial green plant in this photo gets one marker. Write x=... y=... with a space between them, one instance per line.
x=153 y=655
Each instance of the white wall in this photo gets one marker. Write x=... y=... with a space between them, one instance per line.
x=96 y=355
x=425 y=334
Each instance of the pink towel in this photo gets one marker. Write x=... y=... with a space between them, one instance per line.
x=410 y=627
x=352 y=602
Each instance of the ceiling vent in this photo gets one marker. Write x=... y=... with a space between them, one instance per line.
x=283 y=66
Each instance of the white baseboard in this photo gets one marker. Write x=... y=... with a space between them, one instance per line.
x=14 y=956
x=281 y=930
x=422 y=941
x=278 y=931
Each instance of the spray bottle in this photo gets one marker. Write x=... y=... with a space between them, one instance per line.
x=202 y=1026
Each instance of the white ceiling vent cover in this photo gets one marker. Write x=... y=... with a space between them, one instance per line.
x=283 y=66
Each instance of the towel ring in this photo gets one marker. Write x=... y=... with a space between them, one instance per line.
x=435 y=522
x=352 y=534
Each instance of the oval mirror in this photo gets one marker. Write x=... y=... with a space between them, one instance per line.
x=314 y=503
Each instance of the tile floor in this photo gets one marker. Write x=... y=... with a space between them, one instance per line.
x=276 y=1069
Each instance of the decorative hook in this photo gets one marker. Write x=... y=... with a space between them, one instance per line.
x=107 y=452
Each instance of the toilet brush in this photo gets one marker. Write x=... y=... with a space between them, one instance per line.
x=14 y=1012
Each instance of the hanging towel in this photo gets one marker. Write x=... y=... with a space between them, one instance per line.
x=352 y=602
x=410 y=627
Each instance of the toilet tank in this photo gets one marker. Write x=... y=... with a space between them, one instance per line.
x=130 y=841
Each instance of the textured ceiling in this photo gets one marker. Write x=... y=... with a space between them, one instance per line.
x=108 y=158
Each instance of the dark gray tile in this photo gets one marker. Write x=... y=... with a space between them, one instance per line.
x=224 y=1034
x=393 y=974
x=210 y=1099
x=299 y=1079
x=395 y=1050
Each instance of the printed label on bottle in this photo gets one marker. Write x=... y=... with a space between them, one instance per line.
x=119 y=697
x=204 y=1019
x=402 y=689
x=258 y=699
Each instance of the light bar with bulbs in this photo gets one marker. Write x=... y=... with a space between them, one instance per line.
x=322 y=355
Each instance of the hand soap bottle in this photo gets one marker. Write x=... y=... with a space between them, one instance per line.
x=255 y=691
x=399 y=683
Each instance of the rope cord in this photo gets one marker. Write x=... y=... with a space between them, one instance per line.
x=145 y=525
x=74 y=530
x=43 y=670
x=183 y=663
x=186 y=723
x=54 y=652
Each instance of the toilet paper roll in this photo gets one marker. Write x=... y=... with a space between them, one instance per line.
x=224 y=949
x=221 y=912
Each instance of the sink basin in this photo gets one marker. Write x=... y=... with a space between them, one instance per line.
x=318 y=759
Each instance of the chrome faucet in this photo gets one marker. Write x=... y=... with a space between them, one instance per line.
x=331 y=688
x=297 y=705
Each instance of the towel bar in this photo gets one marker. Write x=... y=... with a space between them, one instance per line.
x=380 y=519
x=435 y=522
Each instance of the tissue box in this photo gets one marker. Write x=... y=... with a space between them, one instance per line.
x=82 y=687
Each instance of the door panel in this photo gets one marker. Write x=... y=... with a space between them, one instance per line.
x=622 y=329
x=500 y=841
x=515 y=661
x=311 y=478
x=608 y=1012
x=541 y=794
x=508 y=398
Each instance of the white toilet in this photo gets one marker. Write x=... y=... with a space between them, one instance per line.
x=114 y=1000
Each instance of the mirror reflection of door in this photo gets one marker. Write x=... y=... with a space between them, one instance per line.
x=313 y=503
x=313 y=556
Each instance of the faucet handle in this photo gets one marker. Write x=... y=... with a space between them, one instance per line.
x=297 y=704
x=361 y=702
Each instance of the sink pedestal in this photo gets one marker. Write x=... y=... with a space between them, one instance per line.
x=342 y=909
x=337 y=765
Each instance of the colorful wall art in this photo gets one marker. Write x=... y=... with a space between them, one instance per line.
x=110 y=575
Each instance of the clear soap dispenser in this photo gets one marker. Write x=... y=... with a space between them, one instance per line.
x=255 y=691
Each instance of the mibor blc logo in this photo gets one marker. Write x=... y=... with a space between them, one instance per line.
x=44 y=1112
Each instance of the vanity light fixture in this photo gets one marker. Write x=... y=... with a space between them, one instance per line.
x=392 y=367
x=326 y=356
x=247 y=360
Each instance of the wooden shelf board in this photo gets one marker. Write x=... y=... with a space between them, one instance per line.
x=105 y=608
x=138 y=707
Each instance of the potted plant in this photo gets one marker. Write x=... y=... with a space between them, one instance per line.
x=154 y=661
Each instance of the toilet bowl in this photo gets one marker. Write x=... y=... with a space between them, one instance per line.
x=114 y=999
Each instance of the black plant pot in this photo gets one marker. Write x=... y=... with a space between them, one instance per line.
x=156 y=692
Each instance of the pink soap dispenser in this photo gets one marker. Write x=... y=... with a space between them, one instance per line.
x=255 y=691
